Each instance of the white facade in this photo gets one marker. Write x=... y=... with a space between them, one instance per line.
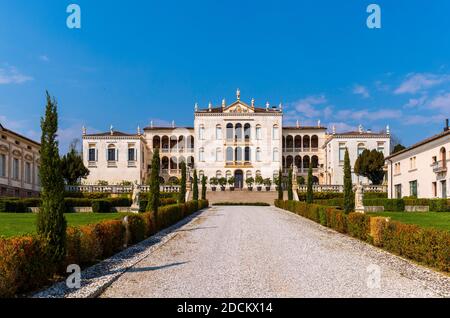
x=19 y=165
x=115 y=157
x=236 y=139
x=356 y=142
x=421 y=170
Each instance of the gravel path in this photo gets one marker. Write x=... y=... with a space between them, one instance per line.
x=267 y=252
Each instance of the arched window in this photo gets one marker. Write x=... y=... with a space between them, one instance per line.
x=165 y=163
x=248 y=174
x=229 y=154
x=258 y=132
x=247 y=154
x=218 y=132
x=289 y=142
x=443 y=157
x=247 y=131
x=298 y=142
x=112 y=153
x=238 y=154
x=156 y=142
x=190 y=162
x=238 y=132
x=315 y=162
x=201 y=155
x=314 y=142
x=173 y=142
x=276 y=155
x=218 y=174
x=190 y=142
x=230 y=132
x=173 y=163
x=201 y=132
x=258 y=173
x=219 y=154
x=181 y=143
x=228 y=174
x=306 y=162
x=289 y=161
x=201 y=173
x=258 y=154
x=361 y=148
x=165 y=142
x=275 y=132
x=298 y=162
x=306 y=142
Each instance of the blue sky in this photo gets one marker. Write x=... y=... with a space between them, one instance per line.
x=135 y=61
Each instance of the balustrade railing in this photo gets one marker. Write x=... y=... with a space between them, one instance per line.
x=118 y=189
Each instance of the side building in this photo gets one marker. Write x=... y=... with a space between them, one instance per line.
x=422 y=169
x=19 y=165
x=356 y=142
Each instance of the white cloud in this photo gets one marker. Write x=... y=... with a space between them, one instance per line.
x=367 y=115
x=419 y=82
x=416 y=102
x=340 y=127
x=10 y=75
x=441 y=102
x=307 y=105
x=422 y=119
x=361 y=90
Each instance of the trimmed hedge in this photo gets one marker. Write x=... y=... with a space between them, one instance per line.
x=25 y=265
x=340 y=195
x=423 y=245
x=242 y=203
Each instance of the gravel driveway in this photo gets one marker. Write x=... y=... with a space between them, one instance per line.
x=267 y=252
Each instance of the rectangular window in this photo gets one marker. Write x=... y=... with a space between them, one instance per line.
x=112 y=154
x=15 y=169
x=258 y=133
x=398 y=191
x=276 y=134
x=27 y=172
x=380 y=147
x=413 y=188
x=2 y=166
x=92 y=154
x=218 y=133
x=131 y=154
x=434 y=189
x=201 y=133
x=341 y=152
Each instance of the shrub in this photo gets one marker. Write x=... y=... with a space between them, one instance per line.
x=167 y=201
x=101 y=206
x=90 y=247
x=111 y=235
x=13 y=206
x=358 y=225
x=120 y=202
x=377 y=226
x=137 y=229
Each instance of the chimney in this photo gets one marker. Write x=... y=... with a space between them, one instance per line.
x=447 y=127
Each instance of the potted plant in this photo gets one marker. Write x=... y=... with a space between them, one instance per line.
x=249 y=181
x=231 y=182
x=268 y=183
x=222 y=182
x=259 y=181
x=213 y=182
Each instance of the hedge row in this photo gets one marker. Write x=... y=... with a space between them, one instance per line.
x=423 y=245
x=340 y=195
x=163 y=202
x=105 y=195
x=26 y=266
x=242 y=203
x=395 y=205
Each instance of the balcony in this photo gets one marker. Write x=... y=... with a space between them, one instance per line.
x=238 y=164
x=439 y=166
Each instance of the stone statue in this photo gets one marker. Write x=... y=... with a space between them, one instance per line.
x=359 y=198
x=135 y=197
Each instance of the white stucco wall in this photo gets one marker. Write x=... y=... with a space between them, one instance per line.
x=423 y=171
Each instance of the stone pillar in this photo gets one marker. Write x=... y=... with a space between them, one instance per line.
x=294 y=183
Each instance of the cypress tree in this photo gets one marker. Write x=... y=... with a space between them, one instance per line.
x=154 y=196
x=182 y=195
x=280 y=188
x=289 y=189
x=195 y=189
x=51 y=223
x=204 y=188
x=349 y=199
x=309 y=186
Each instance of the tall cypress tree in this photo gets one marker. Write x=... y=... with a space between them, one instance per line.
x=309 y=186
x=195 y=189
x=289 y=189
x=51 y=223
x=154 y=196
x=349 y=199
x=182 y=195
x=204 y=188
x=280 y=187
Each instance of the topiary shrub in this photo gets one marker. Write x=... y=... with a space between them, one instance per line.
x=101 y=206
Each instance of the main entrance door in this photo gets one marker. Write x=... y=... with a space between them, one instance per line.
x=238 y=179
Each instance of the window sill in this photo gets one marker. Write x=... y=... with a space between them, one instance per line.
x=412 y=170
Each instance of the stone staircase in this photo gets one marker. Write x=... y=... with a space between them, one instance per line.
x=242 y=196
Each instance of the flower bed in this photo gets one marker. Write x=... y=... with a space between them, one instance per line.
x=424 y=245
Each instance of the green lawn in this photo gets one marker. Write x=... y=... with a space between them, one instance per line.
x=14 y=224
x=438 y=220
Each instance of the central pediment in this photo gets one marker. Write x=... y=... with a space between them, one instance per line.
x=239 y=107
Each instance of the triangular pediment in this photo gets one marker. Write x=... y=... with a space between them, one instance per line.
x=238 y=107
